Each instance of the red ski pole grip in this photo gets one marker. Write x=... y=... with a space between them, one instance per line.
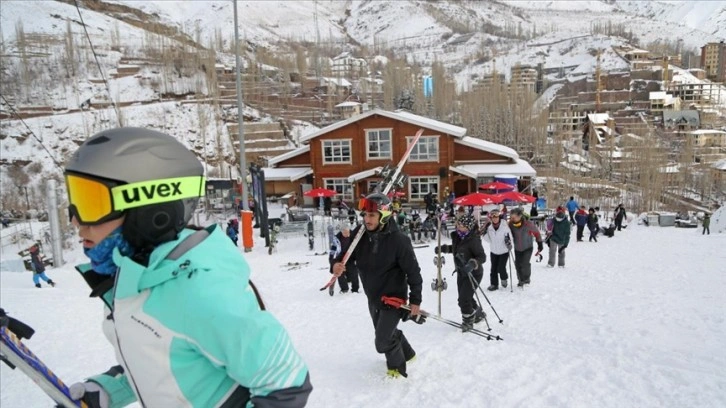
x=393 y=301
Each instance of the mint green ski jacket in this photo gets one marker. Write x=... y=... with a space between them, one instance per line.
x=190 y=332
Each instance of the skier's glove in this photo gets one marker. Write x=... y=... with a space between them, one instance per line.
x=471 y=265
x=562 y=248
x=406 y=316
x=91 y=393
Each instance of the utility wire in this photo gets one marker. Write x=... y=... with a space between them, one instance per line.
x=15 y=112
x=100 y=71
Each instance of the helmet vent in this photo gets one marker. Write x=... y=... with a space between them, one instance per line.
x=98 y=140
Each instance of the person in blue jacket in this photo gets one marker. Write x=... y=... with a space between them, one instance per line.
x=187 y=325
x=232 y=227
x=572 y=206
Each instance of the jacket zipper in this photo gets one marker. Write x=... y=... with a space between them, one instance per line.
x=118 y=344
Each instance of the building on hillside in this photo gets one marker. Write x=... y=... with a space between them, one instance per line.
x=661 y=101
x=334 y=86
x=681 y=120
x=718 y=171
x=345 y=156
x=524 y=77
x=708 y=138
x=348 y=66
x=713 y=61
x=348 y=109
x=598 y=127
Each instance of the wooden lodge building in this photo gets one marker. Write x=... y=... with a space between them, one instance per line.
x=346 y=155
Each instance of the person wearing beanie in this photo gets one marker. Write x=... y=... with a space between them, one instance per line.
x=558 y=236
x=522 y=233
x=469 y=258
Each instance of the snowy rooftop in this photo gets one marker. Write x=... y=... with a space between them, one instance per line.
x=397 y=115
x=519 y=168
x=488 y=146
x=286 y=173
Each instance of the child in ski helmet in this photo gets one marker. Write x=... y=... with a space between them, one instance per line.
x=187 y=327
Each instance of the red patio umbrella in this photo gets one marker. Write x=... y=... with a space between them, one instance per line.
x=320 y=192
x=515 y=196
x=496 y=185
x=476 y=199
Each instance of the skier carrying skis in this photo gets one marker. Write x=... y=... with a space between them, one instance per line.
x=499 y=236
x=38 y=267
x=469 y=257
x=186 y=323
x=558 y=237
x=522 y=233
x=388 y=267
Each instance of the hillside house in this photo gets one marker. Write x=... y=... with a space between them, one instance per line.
x=348 y=109
x=681 y=120
x=334 y=86
x=348 y=66
x=660 y=101
x=344 y=157
x=708 y=138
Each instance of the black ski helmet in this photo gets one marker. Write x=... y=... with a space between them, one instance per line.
x=131 y=155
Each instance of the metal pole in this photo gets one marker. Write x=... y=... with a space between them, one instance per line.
x=240 y=120
x=53 y=220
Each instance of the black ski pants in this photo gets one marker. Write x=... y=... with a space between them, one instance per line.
x=705 y=229
x=580 y=232
x=388 y=339
x=499 y=268
x=619 y=223
x=467 y=304
x=523 y=265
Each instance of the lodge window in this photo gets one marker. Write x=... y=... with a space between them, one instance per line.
x=341 y=186
x=426 y=149
x=420 y=186
x=336 y=151
x=378 y=144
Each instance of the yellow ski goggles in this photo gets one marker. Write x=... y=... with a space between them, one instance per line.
x=93 y=201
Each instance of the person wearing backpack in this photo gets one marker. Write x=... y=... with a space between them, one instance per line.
x=187 y=325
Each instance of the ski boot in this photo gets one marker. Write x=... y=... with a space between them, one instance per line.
x=492 y=288
x=467 y=322
x=479 y=315
x=51 y=283
x=37 y=285
x=396 y=373
x=504 y=283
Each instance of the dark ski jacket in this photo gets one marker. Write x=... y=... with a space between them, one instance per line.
x=522 y=235
x=581 y=217
x=560 y=230
x=592 y=222
x=620 y=213
x=344 y=245
x=387 y=264
x=470 y=248
x=37 y=263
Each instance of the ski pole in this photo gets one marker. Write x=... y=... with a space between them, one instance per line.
x=460 y=257
x=452 y=323
x=474 y=286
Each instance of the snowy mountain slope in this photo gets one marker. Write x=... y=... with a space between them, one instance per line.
x=634 y=320
x=708 y=16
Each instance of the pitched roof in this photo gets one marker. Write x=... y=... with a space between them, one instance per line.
x=291 y=153
x=488 y=147
x=286 y=173
x=397 y=115
x=519 y=168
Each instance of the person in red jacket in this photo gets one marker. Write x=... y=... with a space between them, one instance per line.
x=522 y=232
x=581 y=221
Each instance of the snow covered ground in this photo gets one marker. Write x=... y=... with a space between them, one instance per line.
x=634 y=320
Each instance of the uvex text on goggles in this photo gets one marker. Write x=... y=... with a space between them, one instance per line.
x=95 y=201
